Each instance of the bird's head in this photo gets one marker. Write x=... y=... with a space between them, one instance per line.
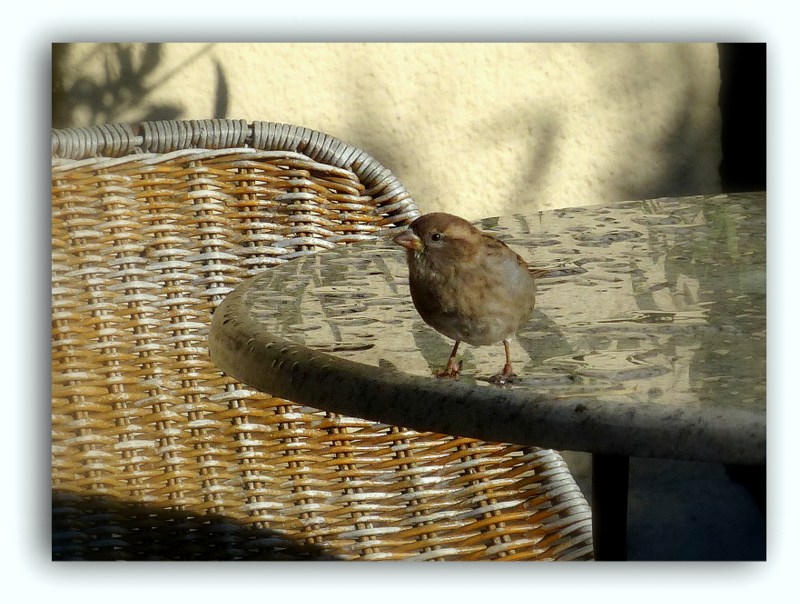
x=440 y=237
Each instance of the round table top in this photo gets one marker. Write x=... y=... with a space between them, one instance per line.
x=648 y=337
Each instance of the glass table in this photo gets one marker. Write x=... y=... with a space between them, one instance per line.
x=648 y=339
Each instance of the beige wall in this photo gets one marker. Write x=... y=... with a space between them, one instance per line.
x=475 y=129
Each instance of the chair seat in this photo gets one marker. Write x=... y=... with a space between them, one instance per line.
x=156 y=454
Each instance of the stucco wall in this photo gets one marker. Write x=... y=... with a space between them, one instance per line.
x=475 y=129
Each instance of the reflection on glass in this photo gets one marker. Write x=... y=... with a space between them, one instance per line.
x=660 y=301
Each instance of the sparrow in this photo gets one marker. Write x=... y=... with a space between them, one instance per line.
x=467 y=285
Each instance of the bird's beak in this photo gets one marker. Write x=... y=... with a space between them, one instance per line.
x=408 y=240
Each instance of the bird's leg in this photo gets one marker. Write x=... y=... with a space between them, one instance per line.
x=507 y=371
x=453 y=369
x=504 y=376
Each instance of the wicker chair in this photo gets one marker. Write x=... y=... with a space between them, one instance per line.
x=158 y=455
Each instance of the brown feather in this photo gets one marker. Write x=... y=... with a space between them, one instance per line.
x=466 y=284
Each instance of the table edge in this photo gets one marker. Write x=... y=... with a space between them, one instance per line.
x=282 y=368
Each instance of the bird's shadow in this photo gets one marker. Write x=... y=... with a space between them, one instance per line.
x=435 y=348
x=540 y=338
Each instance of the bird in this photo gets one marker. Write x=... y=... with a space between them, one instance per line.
x=467 y=285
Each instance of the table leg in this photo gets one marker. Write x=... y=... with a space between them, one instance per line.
x=610 y=506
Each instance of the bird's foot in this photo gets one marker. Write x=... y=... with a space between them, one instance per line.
x=502 y=380
x=452 y=370
x=504 y=377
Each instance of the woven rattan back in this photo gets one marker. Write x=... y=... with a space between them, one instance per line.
x=158 y=455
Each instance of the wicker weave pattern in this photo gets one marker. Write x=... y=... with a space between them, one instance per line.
x=157 y=455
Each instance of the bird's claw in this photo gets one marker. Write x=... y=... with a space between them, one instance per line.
x=502 y=380
x=504 y=377
x=452 y=370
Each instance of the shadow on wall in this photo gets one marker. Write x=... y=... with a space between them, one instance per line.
x=131 y=75
x=121 y=93
x=676 y=139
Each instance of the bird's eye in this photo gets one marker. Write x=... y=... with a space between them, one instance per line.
x=437 y=237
